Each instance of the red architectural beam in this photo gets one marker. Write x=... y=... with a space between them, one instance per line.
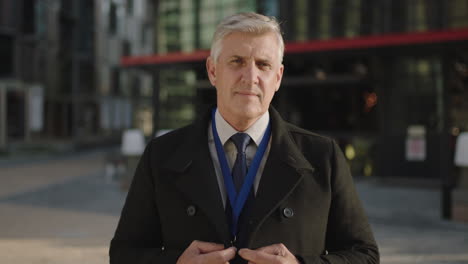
x=378 y=41
x=156 y=59
x=388 y=40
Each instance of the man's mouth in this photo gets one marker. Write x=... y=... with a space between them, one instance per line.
x=246 y=93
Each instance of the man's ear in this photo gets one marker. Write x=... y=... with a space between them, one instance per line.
x=279 y=77
x=211 y=70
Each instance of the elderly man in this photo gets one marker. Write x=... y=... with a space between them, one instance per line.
x=241 y=184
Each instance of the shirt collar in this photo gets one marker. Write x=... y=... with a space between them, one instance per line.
x=255 y=131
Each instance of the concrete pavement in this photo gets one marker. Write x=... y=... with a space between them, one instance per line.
x=65 y=211
x=62 y=211
x=408 y=226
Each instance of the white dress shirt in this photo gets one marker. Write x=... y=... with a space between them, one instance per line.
x=225 y=131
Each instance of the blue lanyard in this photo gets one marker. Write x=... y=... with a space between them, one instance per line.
x=237 y=200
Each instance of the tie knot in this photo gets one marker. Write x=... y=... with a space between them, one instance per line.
x=241 y=140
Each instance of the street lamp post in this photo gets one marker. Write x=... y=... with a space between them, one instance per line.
x=3 y=117
x=447 y=179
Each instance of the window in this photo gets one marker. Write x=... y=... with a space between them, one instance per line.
x=126 y=48
x=324 y=16
x=458 y=91
x=6 y=53
x=417 y=15
x=187 y=25
x=85 y=40
x=129 y=7
x=16 y=116
x=187 y=29
x=28 y=17
x=115 y=81
x=270 y=8
x=169 y=27
x=457 y=13
x=353 y=18
x=41 y=17
x=376 y=22
x=113 y=19
x=417 y=89
x=8 y=14
x=301 y=20
x=176 y=96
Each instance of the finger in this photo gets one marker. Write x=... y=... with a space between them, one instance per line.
x=206 y=247
x=247 y=254
x=258 y=257
x=275 y=249
x=221 y=256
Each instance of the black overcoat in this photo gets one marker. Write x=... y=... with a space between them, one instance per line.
x=174 y=199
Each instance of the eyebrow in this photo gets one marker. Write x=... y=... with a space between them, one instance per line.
x=262 y=59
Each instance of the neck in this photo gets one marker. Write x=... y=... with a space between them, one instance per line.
x=242 y=125
x=239 y=124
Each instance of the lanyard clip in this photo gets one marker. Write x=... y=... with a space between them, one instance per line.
x=233 y=240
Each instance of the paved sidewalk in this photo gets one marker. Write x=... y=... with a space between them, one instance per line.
x=57 y=212
x=26 y=175
x=408 y=226
x=65 y=211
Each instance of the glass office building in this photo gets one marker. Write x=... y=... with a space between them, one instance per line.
x=388 y=79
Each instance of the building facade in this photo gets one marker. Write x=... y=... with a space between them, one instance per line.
x=124 y=28
x=387 y=79
x=49 y=73
x=60 y=84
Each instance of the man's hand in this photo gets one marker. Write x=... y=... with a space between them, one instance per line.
x=272 y=254
x=205 y=252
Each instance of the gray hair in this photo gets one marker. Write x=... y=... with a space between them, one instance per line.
x=248 y=23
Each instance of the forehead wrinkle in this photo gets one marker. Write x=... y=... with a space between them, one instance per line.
x=248 y=49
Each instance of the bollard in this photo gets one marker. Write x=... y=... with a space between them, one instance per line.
x=133 y=145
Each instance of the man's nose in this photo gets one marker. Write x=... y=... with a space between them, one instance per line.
x=250 y=73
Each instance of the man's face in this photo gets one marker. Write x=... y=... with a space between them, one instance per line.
x=246 y=76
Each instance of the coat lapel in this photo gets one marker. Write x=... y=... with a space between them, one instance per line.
x=284 y=170
x=197 y=179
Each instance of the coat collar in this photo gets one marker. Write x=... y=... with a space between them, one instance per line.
x=284 y=169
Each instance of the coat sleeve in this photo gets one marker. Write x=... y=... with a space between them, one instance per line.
x=138 y=238
x=349 y=236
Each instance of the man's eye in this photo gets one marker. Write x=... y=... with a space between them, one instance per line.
x=236 y=61
x=263 y=65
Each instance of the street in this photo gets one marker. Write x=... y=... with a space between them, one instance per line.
x=65 y=210
x=408 y=226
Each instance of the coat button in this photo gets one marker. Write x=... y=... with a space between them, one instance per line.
x=288 y=212
x=191 y=210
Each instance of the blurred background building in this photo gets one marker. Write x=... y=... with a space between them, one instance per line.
x=61 y=86
x=387 y=78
